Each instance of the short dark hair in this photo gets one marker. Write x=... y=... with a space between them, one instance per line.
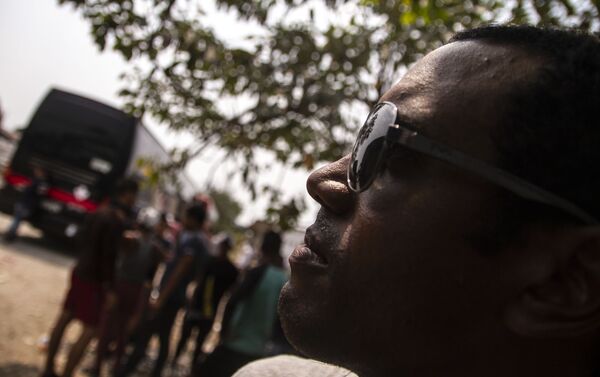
x=226 y=243
x=127 y=186
x=196 y=212
x=550 y=134
x=271 y=243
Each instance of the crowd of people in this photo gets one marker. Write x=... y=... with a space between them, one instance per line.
x=136 y=271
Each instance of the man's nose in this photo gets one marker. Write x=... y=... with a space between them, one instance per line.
x=328 y=186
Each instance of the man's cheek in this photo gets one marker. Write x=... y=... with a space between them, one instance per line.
x=346 y=238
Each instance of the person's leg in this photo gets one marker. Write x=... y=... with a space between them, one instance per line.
x=76 y=353
x=186 y=330
x=204 y=327
x=11 y=233
x=123 y=316
x=105 y=335
x=56 y=335
x=169 y=313
x=121 y=342
x=139 y=349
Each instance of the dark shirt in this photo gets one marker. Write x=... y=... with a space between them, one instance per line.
x=188 y=244
x=102 y=237
x=139 y=266
x=219 y=275
x=32 y=194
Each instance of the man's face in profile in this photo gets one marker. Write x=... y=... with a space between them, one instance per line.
x=400 y=273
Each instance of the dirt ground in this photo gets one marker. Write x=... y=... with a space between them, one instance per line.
x=33 y=279
x=34 y=276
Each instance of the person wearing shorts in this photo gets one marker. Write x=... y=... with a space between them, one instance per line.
x=92 y=279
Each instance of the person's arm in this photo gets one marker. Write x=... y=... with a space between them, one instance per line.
x=130 y=241
x=200 y=281
x=193 y=252
x=162 y=249
x=140 y=308
x=105 y=235
x=156 y=258
x=207 y=266
x=181 y=270
x=243 y=289
x=247 y=283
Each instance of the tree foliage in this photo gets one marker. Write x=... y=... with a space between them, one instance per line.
x=228 y=209
x=303 y=73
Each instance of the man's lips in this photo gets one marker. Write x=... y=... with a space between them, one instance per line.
x=314 y=251
x=302 y=254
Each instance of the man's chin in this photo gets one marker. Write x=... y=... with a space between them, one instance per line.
x=305 y=324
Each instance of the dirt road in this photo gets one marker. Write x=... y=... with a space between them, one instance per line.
x=33 y=279
x=34 y=276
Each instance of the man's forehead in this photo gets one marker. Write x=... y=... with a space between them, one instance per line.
x=459 y=90
x=472 y=63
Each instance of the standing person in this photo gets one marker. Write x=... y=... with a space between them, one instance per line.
x=92 y=279
x=190 y=254
x=163 y=244
x=218 y=276
x=251 y=314
x=135 y=273
x=28 y=203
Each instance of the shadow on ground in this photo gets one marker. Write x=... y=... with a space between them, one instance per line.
x=56 y=245
x=32 y=238
x=18 y=370
x=46 y=249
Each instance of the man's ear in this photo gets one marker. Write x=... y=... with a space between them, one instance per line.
x=566 y=303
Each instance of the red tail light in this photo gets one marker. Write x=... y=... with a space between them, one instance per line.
x=70 y=200
x=16 y=179
x=20 y=181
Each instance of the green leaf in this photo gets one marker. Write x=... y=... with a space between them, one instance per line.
x=296 y=80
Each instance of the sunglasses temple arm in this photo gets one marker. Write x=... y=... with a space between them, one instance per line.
x=500 y=177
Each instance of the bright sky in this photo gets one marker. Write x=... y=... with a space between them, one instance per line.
x=45 y=45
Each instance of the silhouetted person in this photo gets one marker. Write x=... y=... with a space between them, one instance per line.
x=251 y=314
x=93 y=277
x=135 y=272
x=190 y=256
x=216 y=278
x=29 y=201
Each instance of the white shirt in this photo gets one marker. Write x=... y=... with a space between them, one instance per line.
x=291 y=366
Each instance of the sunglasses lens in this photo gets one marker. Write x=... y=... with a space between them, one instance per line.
x=369 y=147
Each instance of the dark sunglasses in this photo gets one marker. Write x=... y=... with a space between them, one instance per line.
x=384 y=129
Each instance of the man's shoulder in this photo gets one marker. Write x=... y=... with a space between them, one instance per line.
x=291 y=366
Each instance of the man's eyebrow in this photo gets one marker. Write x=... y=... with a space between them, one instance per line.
x=399 y=98
x=407 y=120
x=401 y=94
